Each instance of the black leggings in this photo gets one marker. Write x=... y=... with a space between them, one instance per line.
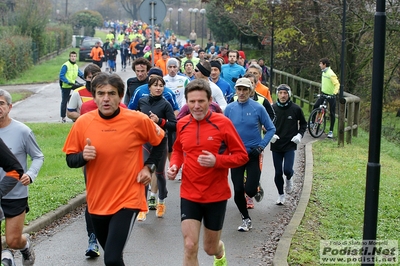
x=160 y=172
x=112 y=232
x=283 y=164
x=250 y=187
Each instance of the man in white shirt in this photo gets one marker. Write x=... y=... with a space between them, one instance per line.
x=175 y=82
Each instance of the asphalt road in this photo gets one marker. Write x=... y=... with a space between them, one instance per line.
x=156 y=241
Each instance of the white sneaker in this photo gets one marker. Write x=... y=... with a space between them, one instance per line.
x=281 y=200
x=28 y=255
x=289 y=185
x=330 y=134
x=7 y=257
x=246 y=225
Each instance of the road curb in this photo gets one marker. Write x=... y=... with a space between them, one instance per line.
x=48 y=218
x=282 y=250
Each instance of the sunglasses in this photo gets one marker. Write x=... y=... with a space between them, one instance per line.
x=196 y=70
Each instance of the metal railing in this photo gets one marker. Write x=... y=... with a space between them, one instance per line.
x=303 y=93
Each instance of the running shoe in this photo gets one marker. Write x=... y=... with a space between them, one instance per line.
x=28 y=255
x=281 y=200
x=7 y=258
x=250 y=203
x=63 y=120
x=330 y=134
x=93 y=248
x=152 y=203
x=160 y=210
x=246 y=225
x=289 y=185
x=142 y=216
x=222 y=261
x=260 y=193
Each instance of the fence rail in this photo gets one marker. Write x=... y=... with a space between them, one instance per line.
x=304 y=91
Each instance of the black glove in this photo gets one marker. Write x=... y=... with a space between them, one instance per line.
x=255 y=152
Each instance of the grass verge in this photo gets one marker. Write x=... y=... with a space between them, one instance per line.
x=336 y=207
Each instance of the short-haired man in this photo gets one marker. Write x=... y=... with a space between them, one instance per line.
x=189 y=56
x=329 y=87
x=97 y=54
x=224 y=54
x=232 y=71
x=116 y=198
x=141 y=67
x=189 y=70
x=21 y=141
x=248 y=116
x=256 y=70
x=68 y=74
x=175 y=82
x=202 y=55
x=82 y=94
x=203 y=71
x=205 y=189
x=220 y=82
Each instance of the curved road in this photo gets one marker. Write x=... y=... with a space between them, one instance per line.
x=158 y=241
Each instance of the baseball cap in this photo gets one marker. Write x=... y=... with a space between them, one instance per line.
x=243 y=82
x=158 y=45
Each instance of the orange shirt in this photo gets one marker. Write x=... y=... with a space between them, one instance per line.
x=112 y=175
x=264 y=91
x=157 y=56
x=96 y=53
x=162 y=64
x=132 y=47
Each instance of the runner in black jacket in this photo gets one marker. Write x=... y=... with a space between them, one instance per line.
x=161 y=112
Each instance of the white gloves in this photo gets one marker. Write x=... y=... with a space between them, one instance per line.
x=297 y=139
x=274 y=138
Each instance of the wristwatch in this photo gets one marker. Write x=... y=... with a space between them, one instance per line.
x=152 y=167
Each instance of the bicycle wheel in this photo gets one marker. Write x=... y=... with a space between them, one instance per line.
x=316 y=123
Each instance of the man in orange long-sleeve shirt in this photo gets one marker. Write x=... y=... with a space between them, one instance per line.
x=114 y=199
x=97 y=54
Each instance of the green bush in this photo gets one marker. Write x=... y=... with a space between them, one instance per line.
x=15 y=56
x=18 y=53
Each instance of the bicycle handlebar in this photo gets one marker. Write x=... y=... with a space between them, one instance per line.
x=327 y=96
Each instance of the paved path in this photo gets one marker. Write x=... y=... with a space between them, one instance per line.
x=155 y=241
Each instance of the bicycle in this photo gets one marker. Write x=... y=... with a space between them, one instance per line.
x=316 y=120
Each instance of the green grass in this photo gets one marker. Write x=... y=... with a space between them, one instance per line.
x=336 y=207
x=45 y=72
x=56 y=183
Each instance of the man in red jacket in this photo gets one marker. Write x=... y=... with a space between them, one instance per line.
x=208 y=145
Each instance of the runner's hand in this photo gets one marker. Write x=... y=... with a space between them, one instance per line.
x=89 y=152
x=172 y=172
x=297 y=139
x=207 y=159
x=274 y=138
